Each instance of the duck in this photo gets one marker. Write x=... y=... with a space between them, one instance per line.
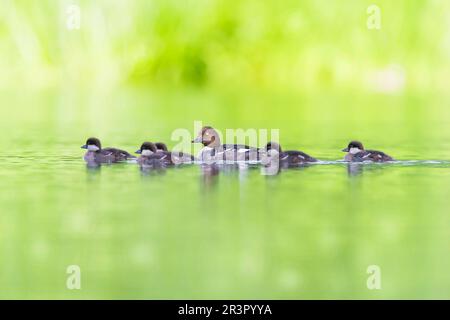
x=177 y=157
x=96 y=154
x=158 y=151
x=214 y=150
x=356 y=153
x=290 y=158
x=151 y=157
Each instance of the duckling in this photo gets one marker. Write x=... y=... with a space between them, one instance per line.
x=151 y=158
x=96 y=154
x=356 y=153
x=214 y=150
x=290 y=158
x=177 y=157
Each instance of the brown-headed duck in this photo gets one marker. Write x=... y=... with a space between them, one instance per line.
x=214 y=150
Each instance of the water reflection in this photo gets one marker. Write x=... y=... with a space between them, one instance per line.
x=147 y=171
x=274 y=168
x=210 y=172
x=93 y=172
x=358 y=168
x=355 y=169
x=210 y=175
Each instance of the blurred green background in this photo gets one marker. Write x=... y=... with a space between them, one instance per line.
x=300 y=66
x=137 y=70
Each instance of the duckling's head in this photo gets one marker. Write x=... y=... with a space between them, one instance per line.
x=208 y=137
x=147 y=148
x=160 y=146
x=354 y=147
x=92 y=144
x=271 y=145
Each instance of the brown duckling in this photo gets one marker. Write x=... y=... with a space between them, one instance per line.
x=177 y=157
x=158 y=151
x=289 y=158
x=96 y=154
x=151 y=157
x=356 y=153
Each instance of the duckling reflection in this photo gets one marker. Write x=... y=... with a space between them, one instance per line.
x=358 y=168
x=147 y=171
x=355 y=169
x=93 y=171
x=229 y=169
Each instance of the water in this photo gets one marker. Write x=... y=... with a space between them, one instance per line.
x=188 y=232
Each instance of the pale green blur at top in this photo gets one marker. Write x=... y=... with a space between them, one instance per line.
x=138 y=70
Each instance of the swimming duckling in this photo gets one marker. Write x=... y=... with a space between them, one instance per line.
x=151 y=153
x=96 y=154
x=214 y=150
x=289 y=158
x=357 y=153
x=177 y=157
x=150 y=157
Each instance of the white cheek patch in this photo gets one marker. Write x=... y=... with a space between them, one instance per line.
x=92 y=147
x=146 y=152
x=354 y=150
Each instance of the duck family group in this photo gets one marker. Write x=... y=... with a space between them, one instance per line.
x=157 y=155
